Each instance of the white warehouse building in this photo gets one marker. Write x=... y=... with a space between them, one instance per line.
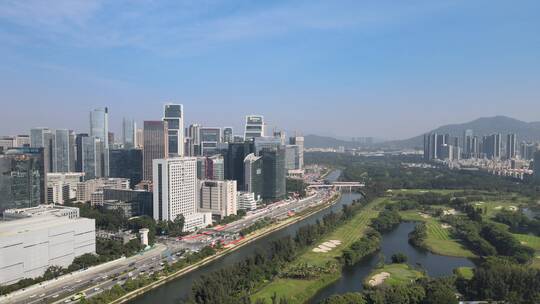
x=28 y=246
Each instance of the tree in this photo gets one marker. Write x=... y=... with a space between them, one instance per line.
x=399 y=258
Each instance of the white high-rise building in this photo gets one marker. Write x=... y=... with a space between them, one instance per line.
x=174 y=116
x=299 y=142
x=254 y=127
x=175 y=192
x=217 y=197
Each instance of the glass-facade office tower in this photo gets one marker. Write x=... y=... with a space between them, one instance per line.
x=254 y=127
x=210 y=138
x=62 y=151
x=129 y=130
x=211 y=168
x=174 y=116
x=92 y=157
x=155 y=145
x=23 y=178
x=253 y=175
x=228 y=136
x=126 y=163
x=234 y=162
x=194 y=140
x=274 y=173
x=44 y=138
x=99 y=128
x=79 y=151
x=299 y=142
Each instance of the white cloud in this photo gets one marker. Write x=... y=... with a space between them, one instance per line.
x=188 y=26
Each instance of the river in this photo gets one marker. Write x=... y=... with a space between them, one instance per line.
x=178 y=289
x=395 y=241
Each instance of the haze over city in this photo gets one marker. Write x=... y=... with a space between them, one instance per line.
x=350 y=68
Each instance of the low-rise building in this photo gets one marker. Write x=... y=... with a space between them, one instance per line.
x=246 y=201
x=62 y=187
x=39 y=239
x=86 y=188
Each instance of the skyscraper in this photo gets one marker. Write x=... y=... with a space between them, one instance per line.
x=227 y=134
x=99 y=128
x=174 y=116
x=254 y=127
x=79 y=151
x=23 y=179
x=298 y=141
x=155 y=145
x=492 y=145
x=511 y=146
x=44 y=138
x=62 y=149
x=210 y=138
x=126 y=163
x=92 y=157
x=129 y=129
x=175 y=192
x=274 y=175
x=195 y=140
x=253 y=175
x=234 y=161
x=210 y=167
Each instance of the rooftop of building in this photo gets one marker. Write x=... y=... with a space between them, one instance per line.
x=29 y=224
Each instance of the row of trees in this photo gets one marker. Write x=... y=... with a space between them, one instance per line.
x=358 y=250
x=234 y=284
x=424 y=291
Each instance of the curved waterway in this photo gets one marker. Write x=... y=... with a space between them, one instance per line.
x=178 y=289
x=393 y=242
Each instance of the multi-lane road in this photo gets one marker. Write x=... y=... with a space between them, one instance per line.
x=96 y=279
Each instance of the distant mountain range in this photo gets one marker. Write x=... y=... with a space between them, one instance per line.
x=528 y=131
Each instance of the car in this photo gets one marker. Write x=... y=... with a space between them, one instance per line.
x=32 y=296
x=78 y=281
x=105 y=277
x=67 y=301
x=55 y=296
x=97 y=289
x=132 y=264
x=42 y=295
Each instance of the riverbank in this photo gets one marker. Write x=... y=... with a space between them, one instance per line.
x=299 y=290
x=248 y=239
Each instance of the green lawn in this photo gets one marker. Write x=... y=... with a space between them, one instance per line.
x=399 y=274
x=465 y=272
x=439 y=240
x=299 y=291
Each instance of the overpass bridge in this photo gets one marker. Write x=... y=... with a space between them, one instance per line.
x=336 y=185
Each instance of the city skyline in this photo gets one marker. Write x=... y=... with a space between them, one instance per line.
x=278 y=59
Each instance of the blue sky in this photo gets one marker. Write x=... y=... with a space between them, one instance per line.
x=390 y=69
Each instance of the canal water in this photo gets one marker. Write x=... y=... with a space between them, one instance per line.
x=176 y=290
x=393 y=242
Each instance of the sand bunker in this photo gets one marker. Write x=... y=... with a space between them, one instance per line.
x=498 y=207
x=423 y=215
x=445 y=226
x=513 y=208
x=378 y=278
x=479 y=203
x=450 y=212
x=326 y=246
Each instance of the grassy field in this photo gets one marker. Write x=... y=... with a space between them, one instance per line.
x=465 y=272
x=439 y=240
x=399 y=274
x=299 y=291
